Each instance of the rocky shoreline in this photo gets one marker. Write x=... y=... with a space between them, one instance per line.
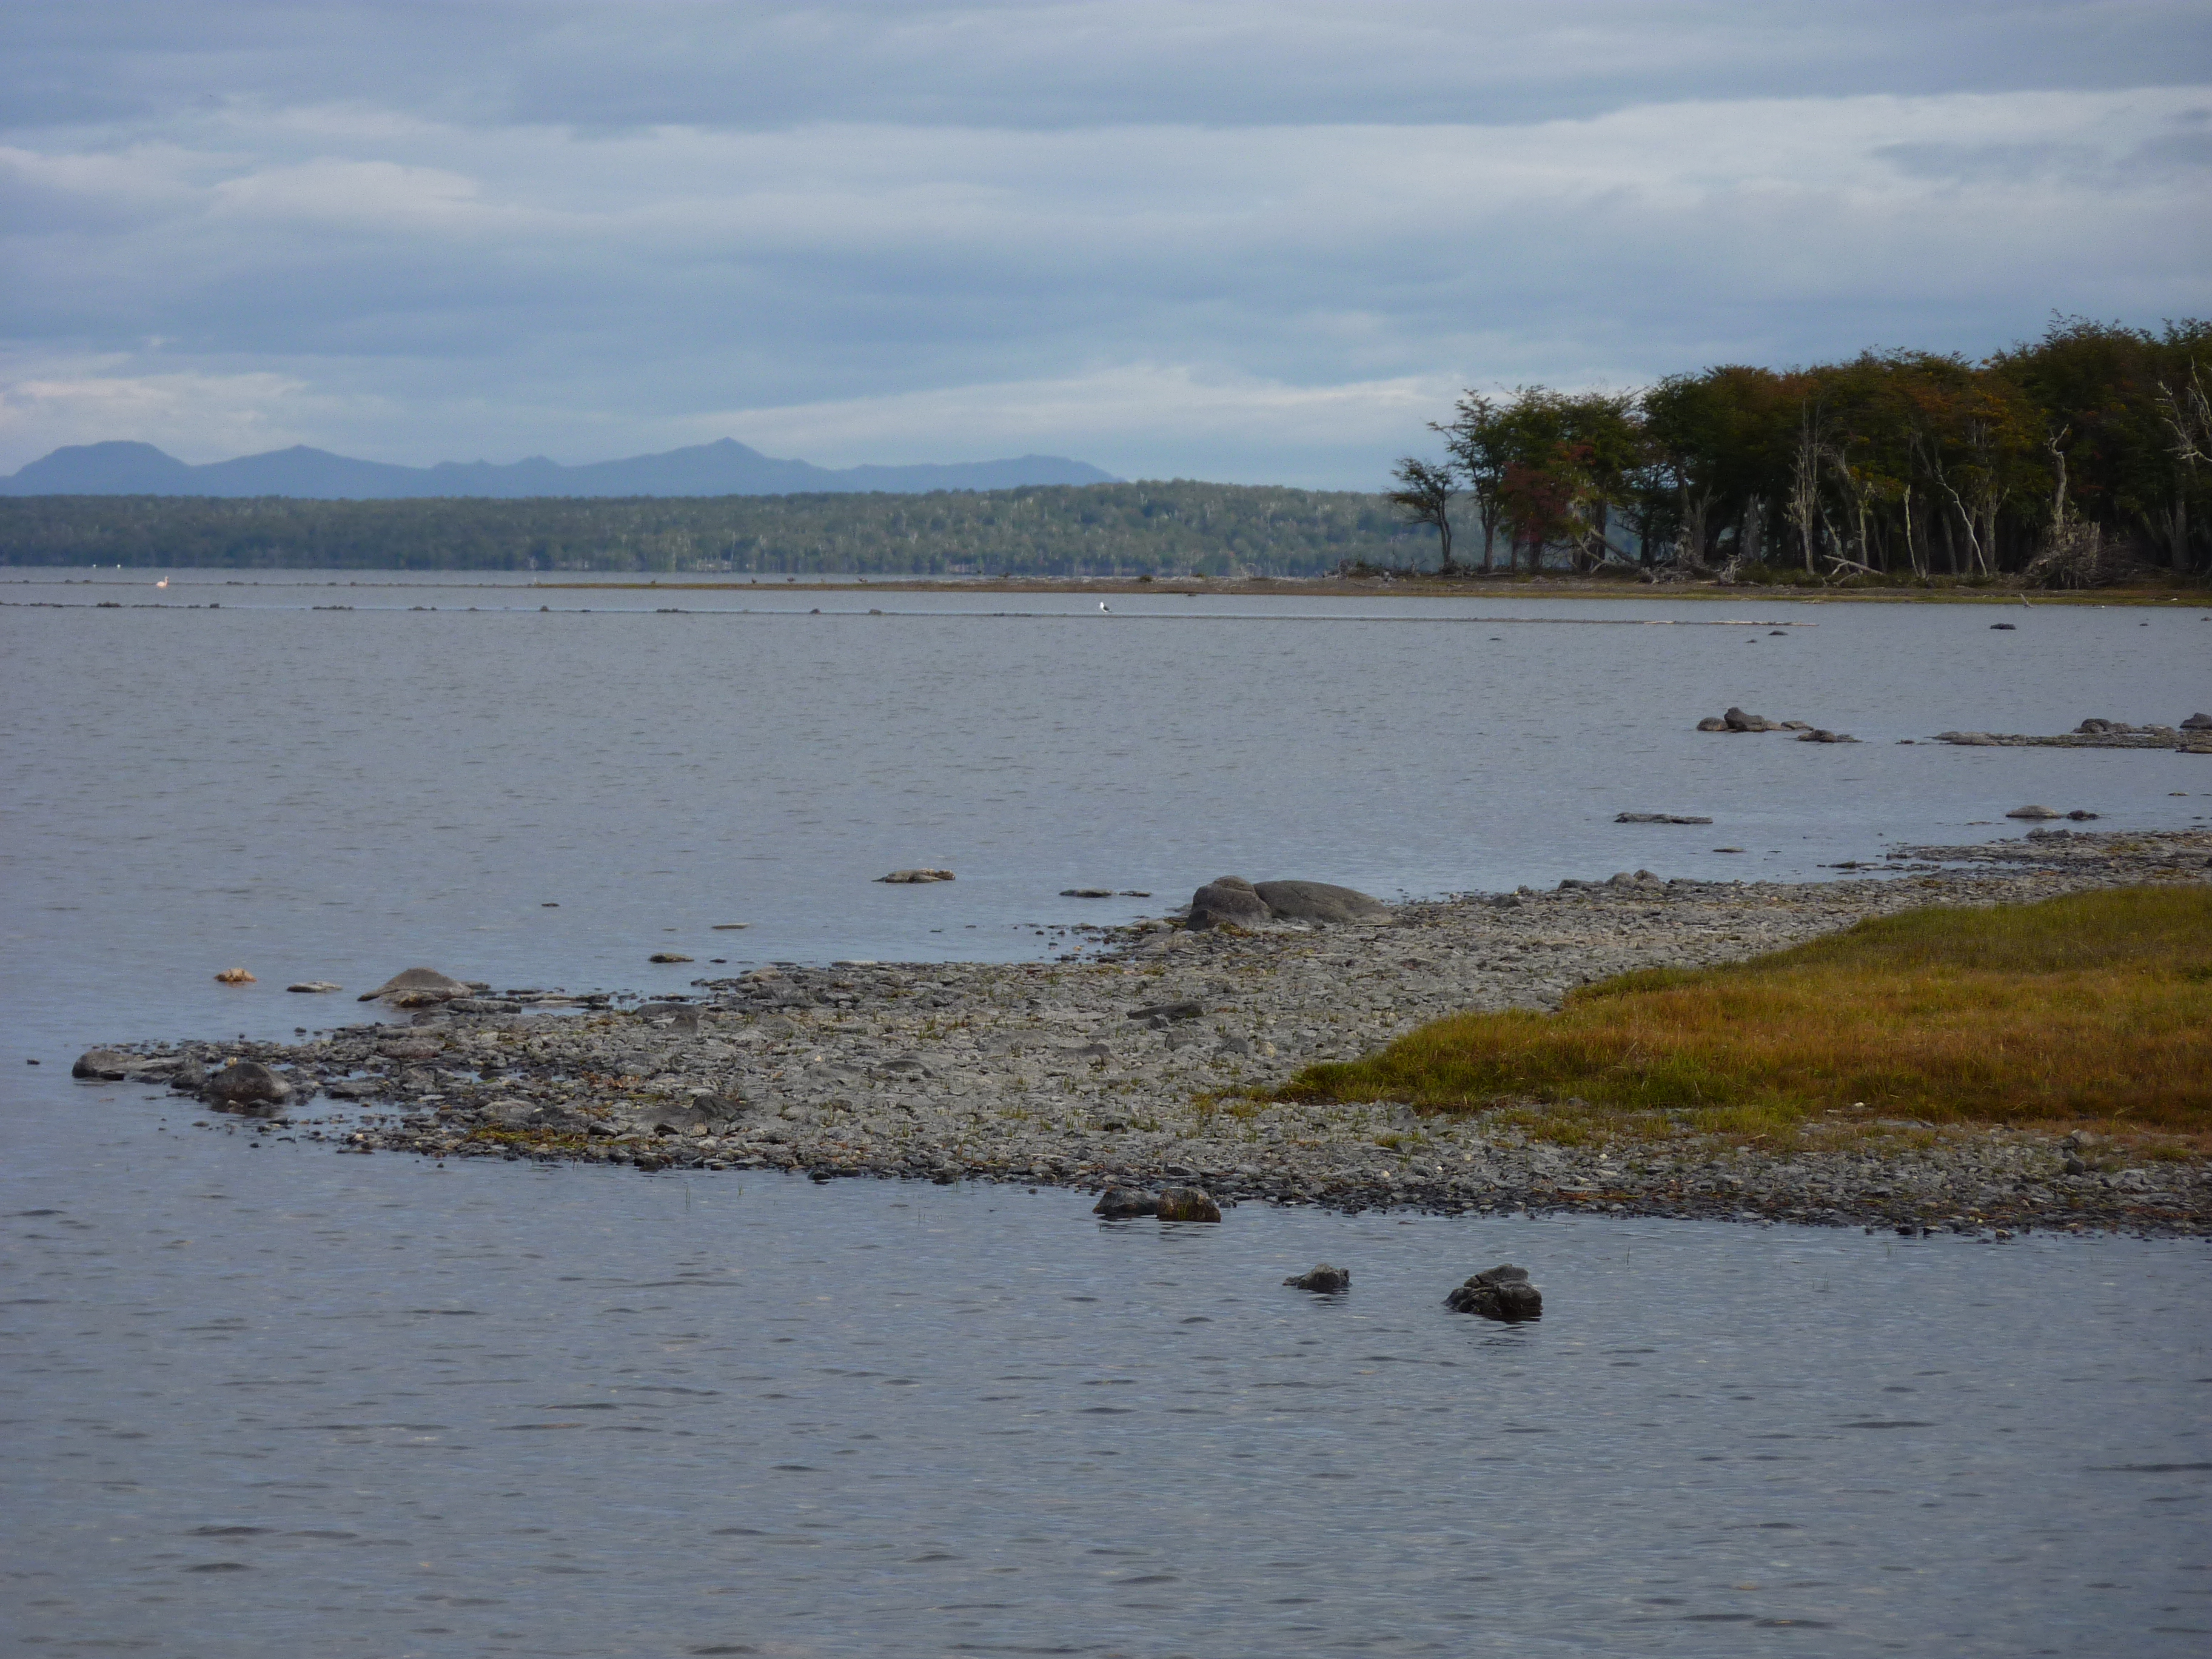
x=1147 y=1064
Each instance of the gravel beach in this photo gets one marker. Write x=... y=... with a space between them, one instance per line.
x=1137 y=1065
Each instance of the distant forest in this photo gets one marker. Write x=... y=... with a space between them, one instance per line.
x=2072 y=461
x=2078 y=460
x=1089 y=529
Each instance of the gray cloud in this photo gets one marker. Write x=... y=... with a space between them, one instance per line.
x=1228 y=240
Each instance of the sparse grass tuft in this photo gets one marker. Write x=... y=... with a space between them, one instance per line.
x=2093 y=1007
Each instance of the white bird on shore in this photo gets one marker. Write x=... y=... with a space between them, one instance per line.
x=1102 y=607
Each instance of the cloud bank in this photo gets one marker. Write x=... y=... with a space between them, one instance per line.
x=1245 y=242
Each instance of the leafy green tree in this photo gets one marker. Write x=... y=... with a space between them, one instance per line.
x=1424 y=496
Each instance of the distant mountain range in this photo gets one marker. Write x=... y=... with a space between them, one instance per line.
x=725 y=468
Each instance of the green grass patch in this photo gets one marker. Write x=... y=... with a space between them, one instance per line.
x=2096 y=1007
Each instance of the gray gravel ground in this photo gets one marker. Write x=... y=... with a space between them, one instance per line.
x=1051 y=1073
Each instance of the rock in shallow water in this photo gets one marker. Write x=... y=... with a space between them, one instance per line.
x=1188 y=1204
x=246 y=1085
x=1324 y=1279
x=108 y=1065
x=913 y=877
x=419 y=984
x=1502 y=1292
x=1121 y=1203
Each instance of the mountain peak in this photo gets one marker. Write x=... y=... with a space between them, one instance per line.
x=722 y=467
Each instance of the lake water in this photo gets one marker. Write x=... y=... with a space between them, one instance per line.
x=268 y=1401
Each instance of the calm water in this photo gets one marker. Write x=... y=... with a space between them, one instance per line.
x=270 y=1402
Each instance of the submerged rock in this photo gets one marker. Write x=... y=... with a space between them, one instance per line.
x=1657 y=817
x=912 y=877
x=1323 y=1279
x=235 y=977
x=417 y=986
x=314 y=987
x=2035 y=812
x=1502 y=1292
x=1188 y=1204
x=1121 y=1203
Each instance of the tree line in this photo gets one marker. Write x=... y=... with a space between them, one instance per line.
x=2068 y=461
x=1176 y=528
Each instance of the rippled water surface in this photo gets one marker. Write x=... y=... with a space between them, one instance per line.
x=507 y=1409
x=264 y=1401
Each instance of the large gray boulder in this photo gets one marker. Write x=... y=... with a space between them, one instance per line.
x=247 y=1085
x=1325 y=1279
x=106 y=1065
x=1229 y=902
x=419 y=985
x=1317 y=901
x=1233 y=902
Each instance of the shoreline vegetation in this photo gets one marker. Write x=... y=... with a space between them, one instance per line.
x=2081 y=461
x=1259 y=1064
x=2146 y=589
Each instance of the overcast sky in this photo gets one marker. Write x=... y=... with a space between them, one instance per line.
x=1258 y=241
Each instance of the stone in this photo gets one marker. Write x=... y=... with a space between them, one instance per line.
x=2198 y=722
x=314 y=987
x=1324 y=1279
x=418 y=987
x=1086 y=892
x=2035 y=812
x=235 y=977
x=2079 y=816
x=190 y=1076
x=1822 y=735
x=1163 y=1014
x=1121 y=1203
x=1502 y=1292
x=1712 y=723
x=911 y=877
x=246 y=1085
x=1657 y=817
x=1319 y=902
x=2005 y=628
x=1228 y=902
x=668 y=955
x=1737 y=720
x=106 y=1065
x=1188 y=1204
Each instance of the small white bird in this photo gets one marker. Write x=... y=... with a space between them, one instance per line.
x=164 y=582
x=1102 y=605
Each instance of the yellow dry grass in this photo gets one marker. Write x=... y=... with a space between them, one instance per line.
x=2096 y=1007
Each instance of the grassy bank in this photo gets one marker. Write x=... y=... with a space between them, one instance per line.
x=2095 y=1008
